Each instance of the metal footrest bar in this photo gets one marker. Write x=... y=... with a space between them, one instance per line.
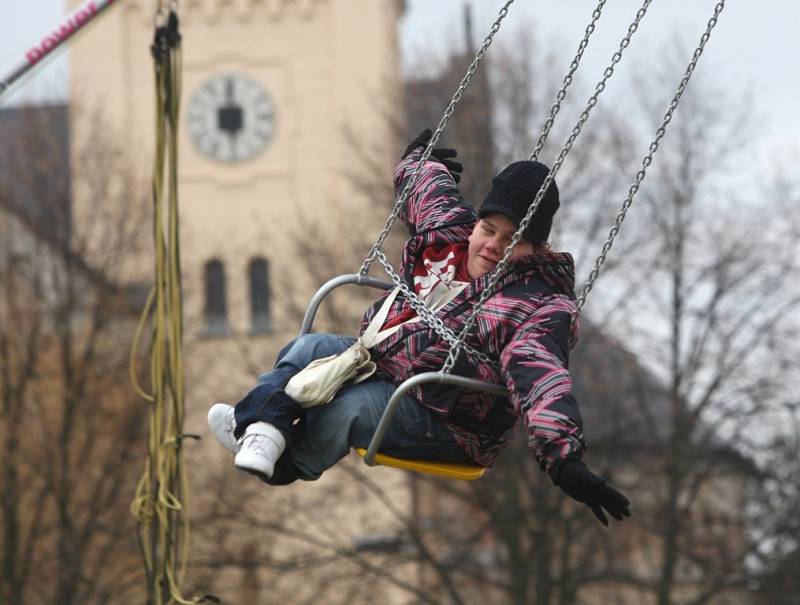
x=397 y=396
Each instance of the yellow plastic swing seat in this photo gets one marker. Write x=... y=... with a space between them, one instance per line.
x=465 y=472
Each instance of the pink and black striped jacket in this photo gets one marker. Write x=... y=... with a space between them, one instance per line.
x=524 y=326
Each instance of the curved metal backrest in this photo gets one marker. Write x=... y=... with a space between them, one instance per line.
x=329 y=286
x=397 y=396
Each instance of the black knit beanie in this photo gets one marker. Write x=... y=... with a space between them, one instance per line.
x=513 y=191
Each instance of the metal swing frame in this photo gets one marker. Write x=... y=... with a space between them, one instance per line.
x=371 y=455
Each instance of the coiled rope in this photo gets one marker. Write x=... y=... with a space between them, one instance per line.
x=161 y=499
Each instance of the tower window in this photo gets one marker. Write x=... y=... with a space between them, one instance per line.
x=260 y=295
x=216 y=314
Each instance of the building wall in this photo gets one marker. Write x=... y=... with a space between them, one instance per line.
x=329 y=67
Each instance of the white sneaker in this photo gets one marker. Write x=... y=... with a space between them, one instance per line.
x=261 y=446
x=222 y=423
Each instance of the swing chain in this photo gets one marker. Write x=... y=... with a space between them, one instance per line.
x=373 y=253
x=500 y=267
x=648 y=158
x=548 y=124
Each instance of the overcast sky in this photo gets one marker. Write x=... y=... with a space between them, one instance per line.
x=756 y=44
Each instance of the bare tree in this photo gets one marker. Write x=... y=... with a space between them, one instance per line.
x=706 y=314
x=775 y=514
x=71 y=431
x=670 y=371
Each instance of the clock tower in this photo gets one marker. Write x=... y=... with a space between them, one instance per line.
x=276 y=95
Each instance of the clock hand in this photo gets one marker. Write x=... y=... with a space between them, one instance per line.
x=230 y=115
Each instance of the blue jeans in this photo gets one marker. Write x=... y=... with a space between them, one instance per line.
x=321 y=436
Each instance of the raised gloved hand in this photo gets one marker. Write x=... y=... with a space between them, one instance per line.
x=443 y=155
x=577 y=481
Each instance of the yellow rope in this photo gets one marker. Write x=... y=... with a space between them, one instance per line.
x=161 y=498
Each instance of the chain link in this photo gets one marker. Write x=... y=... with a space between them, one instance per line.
x=427 y=315
x=648 y=158
x=500 y=267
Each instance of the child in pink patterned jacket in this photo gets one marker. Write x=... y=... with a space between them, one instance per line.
x=525 y=328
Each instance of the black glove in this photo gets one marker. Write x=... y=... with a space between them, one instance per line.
x=422 y=140
x=442 y=155
x=578 y=482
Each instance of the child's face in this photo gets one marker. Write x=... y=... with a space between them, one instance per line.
x=489 y=240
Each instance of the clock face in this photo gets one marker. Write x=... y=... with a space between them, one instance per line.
x=231 y=118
